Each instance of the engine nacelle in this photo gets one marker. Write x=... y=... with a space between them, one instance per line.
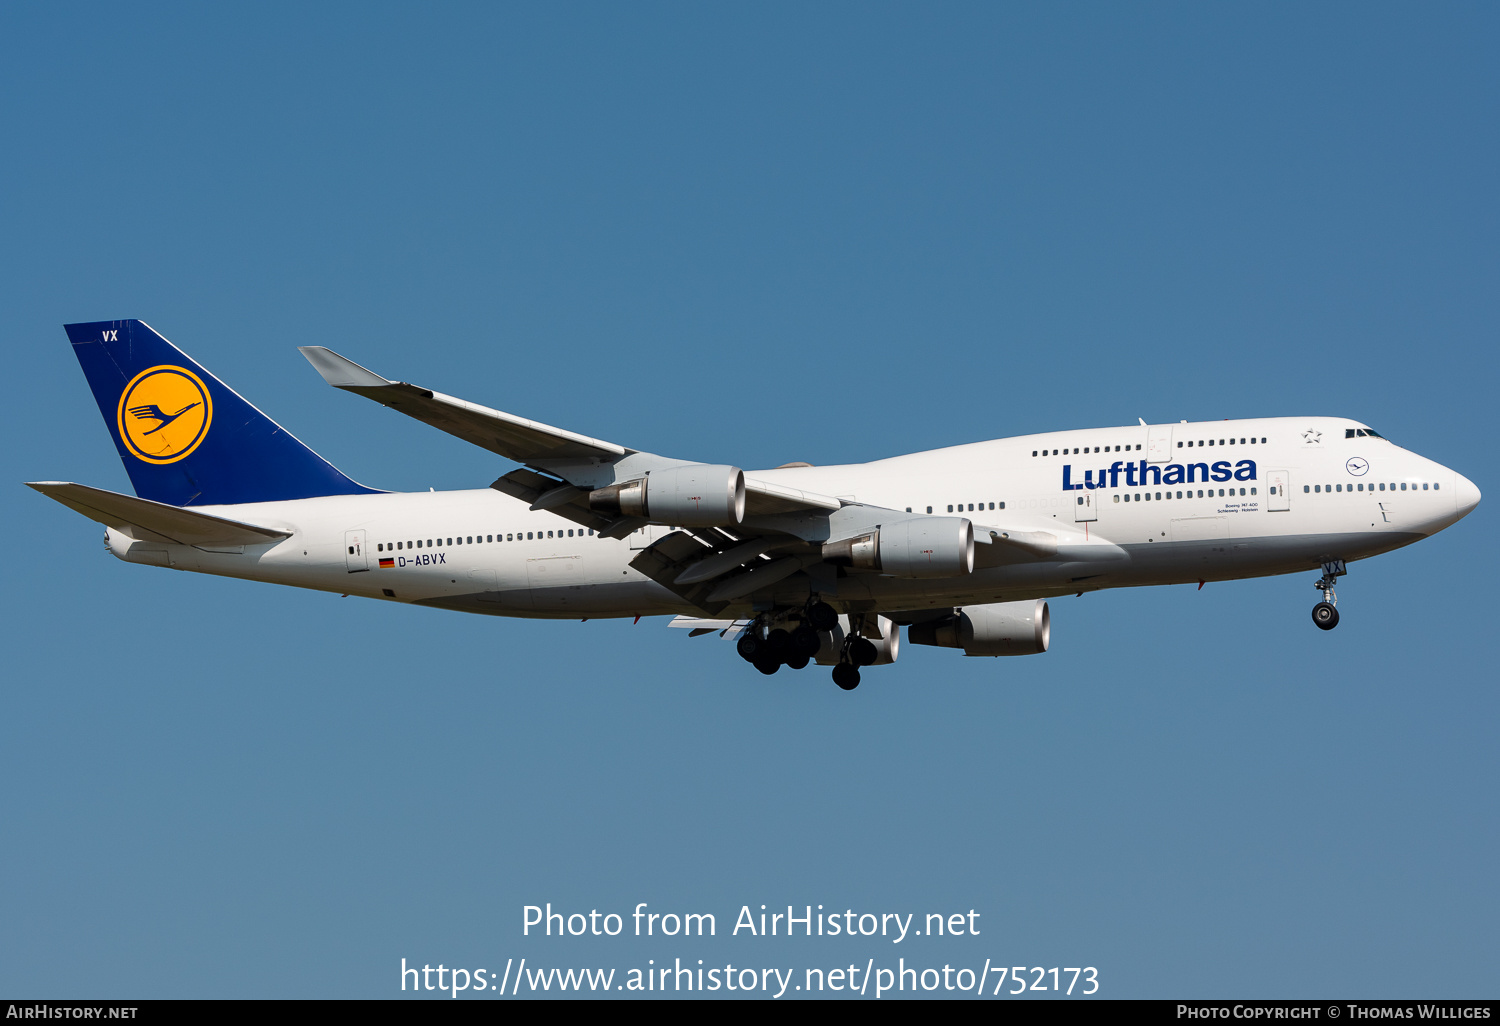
x=996 y=629
x=697 y=495
x=921 y=547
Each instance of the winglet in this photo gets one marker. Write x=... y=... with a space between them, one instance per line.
x=340 y=372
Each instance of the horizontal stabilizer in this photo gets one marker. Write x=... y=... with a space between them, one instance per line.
x=145 y=520
x=515 y=438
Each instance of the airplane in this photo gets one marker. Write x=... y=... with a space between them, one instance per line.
x=961 y=546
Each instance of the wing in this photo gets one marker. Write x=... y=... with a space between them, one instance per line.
x=515 y=438
x=574 y=459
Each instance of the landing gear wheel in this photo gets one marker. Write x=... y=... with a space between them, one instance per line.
x=779 y=644
x=797 y=662
x=806 y=641
x=846 y=676
x=862 y=652
x=822 y=616
x=1325 y=615
x=749 y=646
x=768 y=666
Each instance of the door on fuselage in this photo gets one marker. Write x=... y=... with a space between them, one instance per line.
x=354 y=551
x=1083 y=506
x=1278 y=491
x=1159 y=443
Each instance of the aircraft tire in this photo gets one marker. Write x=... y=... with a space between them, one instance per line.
x=797 y=661
x=822 y=616
x=862 y=652
x=846 y=676
x=768 y=666
x=779 y=643
x=806 y=641
x=748 y=646
x=1325 y=615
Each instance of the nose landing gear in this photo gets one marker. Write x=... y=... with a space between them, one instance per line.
x=1326 y=614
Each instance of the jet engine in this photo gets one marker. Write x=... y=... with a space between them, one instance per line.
x=996 y=629
x=696 y=495
x=917 y=548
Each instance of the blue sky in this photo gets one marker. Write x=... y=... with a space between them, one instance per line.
x=751 y=235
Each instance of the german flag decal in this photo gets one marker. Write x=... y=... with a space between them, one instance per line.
x=386 y=564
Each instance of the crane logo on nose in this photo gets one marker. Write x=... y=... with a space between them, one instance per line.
x=1357 y=466
x=164 y=414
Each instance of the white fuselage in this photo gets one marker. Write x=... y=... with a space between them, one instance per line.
x=482 y=551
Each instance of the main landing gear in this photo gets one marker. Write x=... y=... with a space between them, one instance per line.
x=769 y=651
x=1326 y=614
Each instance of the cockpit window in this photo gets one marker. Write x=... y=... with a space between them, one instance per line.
x=1362 y=433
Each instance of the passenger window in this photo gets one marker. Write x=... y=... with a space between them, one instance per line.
x=929 y=509
x=1179 y=445
x=1318 y=487
x=1158 y=494
x=1424 y=486
x=1033 y=452
x=528 y=536
x=1382 y=486
x=1210 y=441
x=1306 y=489
x=1252 y=491
x=1179 y=495
x=992 y=506
x=379 y=548
x=1262 y=441
x=1117 y=498
x=1403 y=486
x=950 y=507
x=1434 y=486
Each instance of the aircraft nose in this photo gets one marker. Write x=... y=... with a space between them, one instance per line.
x=1467 y=494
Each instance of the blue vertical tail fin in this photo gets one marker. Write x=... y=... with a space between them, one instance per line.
x=186 y=438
